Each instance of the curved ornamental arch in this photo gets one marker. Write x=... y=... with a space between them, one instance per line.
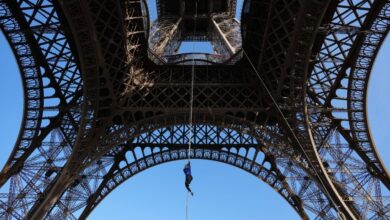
x=227 y=157
x=215 y=143
x=50 y=79
x=337 y=108
x=294 y=90
x=52 y=97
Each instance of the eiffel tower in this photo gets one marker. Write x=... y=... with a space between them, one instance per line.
x=282 y=97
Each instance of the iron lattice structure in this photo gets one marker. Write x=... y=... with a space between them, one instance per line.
x=106 y=96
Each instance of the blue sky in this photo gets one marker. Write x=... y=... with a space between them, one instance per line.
x=221 y=191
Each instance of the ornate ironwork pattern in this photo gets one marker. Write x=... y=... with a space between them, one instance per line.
x=52 y=88
x=106 y=97
x=169 y=143
x=339 y=85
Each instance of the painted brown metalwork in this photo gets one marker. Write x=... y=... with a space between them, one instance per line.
x=282 y=97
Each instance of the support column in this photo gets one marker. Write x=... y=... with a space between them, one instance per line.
x=225 y=35
x=164 y=36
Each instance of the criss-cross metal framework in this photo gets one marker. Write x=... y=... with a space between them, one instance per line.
x=283 y=98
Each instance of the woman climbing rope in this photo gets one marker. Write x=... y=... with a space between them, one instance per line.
x=187 y=172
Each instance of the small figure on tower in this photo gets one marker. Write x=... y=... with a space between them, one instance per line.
x=187 y=172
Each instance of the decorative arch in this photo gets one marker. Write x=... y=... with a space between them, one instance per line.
x=100 y=40
x=52 y=98
x=265 y=170
x=342 y=133
x=276 y=165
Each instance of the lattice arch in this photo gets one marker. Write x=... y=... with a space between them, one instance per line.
x=94 y=55
x=262 y=171
x=279 y=168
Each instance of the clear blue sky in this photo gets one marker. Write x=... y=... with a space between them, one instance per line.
x=221 y=191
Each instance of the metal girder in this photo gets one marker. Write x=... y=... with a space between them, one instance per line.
x=100 y=59
x=217 y=91
x=211 y=142
x=337 y=105
x=164 y=36
x=290 y=52
x=320 y=153
x=167 y=34
x=226 y=34
x=52 y=88
x=163 y=5
x=49 y=81
x=268 y=35
x=132 y=168
x=184 y=21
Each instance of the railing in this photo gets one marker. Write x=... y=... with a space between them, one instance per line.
x=197 y=58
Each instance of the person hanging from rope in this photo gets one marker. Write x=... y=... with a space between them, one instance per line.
x=187 y=172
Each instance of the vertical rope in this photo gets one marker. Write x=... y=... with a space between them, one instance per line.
x=191 y=111
x=191 y=103
x=192 y=89
x=187 y=206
